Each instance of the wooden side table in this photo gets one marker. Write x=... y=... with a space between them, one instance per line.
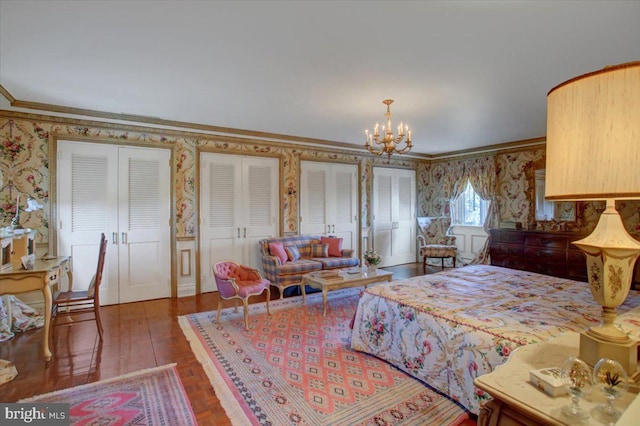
x=518 y=402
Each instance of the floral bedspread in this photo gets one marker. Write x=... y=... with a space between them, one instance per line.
x=448 y=328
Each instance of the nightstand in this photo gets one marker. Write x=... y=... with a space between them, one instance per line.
x=518 y=402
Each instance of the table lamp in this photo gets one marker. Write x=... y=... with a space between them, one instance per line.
x=593 y=153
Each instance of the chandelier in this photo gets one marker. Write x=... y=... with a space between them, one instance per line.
x=389 y=143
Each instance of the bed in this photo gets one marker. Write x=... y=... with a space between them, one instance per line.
x=448 y=328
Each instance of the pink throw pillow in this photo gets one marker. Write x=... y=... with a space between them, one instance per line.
x=277 y=249
x=335 y=246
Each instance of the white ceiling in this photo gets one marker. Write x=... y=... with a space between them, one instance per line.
x=463 y=74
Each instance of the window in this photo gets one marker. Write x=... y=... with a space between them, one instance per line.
x=469 y=208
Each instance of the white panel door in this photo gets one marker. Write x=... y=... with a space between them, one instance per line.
x=314 y=203
x=125 y=193
x=383 y=214
x=238 y=207
x=261 y=208
x=344 y=210
x=329 y=201
x=87 y=176
x=404 y=234
x=394 y=228
x=144 y=224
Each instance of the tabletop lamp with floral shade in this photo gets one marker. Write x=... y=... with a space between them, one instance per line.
x=593 y=153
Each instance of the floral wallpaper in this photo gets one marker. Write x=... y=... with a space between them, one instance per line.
x=24 y=162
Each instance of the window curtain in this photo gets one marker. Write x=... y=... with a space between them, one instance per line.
x=481 y=173
x=482 y=176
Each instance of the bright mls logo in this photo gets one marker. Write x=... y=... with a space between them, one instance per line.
x=34 y=414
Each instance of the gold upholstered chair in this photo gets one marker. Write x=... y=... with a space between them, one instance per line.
x=434 y=240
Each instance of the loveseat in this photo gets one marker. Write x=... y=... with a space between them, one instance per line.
x=286 y=259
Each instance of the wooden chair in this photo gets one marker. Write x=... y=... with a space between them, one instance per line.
x=434 y=240
x=235 y=282
x=81 y=302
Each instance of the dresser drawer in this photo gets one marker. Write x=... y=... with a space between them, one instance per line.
x=508 y=262
x=537 y=254
x=553 y=269
x=500 y=236
x=546 y=241
x=501 y=249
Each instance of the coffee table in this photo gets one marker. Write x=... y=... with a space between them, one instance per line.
x=354 y=277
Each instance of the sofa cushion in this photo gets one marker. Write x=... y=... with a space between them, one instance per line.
x=319 y=250
x=337 y=262
x=301 y=266
x=292 y=253
x=277 y=249
x=335 y=245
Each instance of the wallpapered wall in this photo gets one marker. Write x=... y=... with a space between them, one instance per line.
x=24 y=161
x=514 y=197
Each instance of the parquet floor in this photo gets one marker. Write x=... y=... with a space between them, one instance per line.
x=137 y=336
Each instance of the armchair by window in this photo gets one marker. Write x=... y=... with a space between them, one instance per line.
x=434 y=240
x=236 y=281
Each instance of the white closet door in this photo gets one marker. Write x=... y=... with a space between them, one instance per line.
x=144 y=224
x=261 y=212
x=383 y=211
x=314 y=203
x=404 y=234
x=221 y=220
x=329 y=201
x=238 y=207
x=345 y=204
x=125 y=193
x=88 y=206
x=394 y=215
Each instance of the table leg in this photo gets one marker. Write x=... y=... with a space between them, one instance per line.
x=47 y=321
x=324 y=301
x=304 y=292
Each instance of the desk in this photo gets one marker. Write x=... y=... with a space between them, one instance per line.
x=44 y=275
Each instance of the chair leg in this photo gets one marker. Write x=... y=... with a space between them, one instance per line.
x=424 y=265
x=442 y=261
x=268 y=298
x=219 y=309
x=454 y=261
x=245 y=301
x=96 y=309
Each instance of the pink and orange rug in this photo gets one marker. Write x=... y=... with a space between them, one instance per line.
x=297 y=367
x=148 y=397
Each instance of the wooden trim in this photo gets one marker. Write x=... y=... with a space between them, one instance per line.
x=290 y=142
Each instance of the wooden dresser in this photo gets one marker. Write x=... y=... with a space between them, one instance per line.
x=548 y=253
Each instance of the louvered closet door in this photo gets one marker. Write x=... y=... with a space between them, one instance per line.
x=261 y=213
x=394 y=227
x=344 y=222
x=238 y=207
x=383 y=211
x=314 y=203
x=404 y=234
x=88 y=206
x=144 y=246
x=125 y=193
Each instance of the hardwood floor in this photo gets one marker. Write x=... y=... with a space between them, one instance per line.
x=137 y=336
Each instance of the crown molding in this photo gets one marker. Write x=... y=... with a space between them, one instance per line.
x=241 y=134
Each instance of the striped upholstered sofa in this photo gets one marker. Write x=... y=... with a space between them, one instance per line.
x=289 y=273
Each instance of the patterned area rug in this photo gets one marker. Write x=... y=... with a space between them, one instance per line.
x=148 y=397
x=297 y=367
